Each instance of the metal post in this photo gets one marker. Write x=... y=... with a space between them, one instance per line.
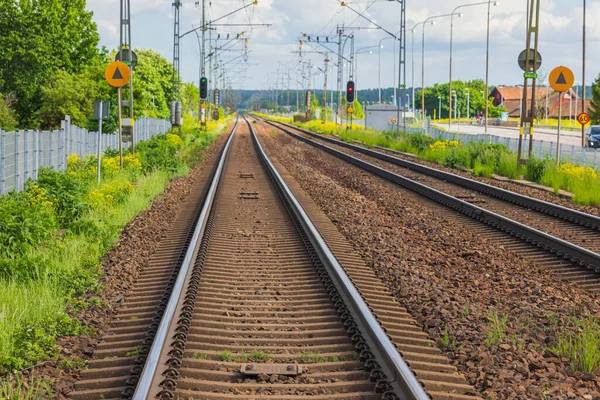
x=2 y=161
x=583 y=76
x=487 y=69
x=17 y=135
x=100 y=141
x=450 y=84
x=40 y=147
x=35 y=154
x=558 y=134
x=25 y=154
x=51 y=160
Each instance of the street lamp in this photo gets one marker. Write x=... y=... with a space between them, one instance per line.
x=413 y=30
x=440 y=108
x=576 y=97
x=455 y=102
x=451 y=48
x=430 y=19
x=379 y=64
x=468 y=103
x=356 y=53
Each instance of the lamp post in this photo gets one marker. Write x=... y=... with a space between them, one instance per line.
x=468 y=103
x=379 y=64
x=440 y=108
x=454 y=12
x=413 y=30
x=430 y=19
x=356 y=53
x=455 y=102
x=583 y=74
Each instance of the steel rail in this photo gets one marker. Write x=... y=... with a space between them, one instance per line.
x=161 y=340
x=395 y=368
x=565 y=213
x=557 y=246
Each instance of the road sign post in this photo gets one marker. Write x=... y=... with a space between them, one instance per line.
x=101 y=112
x=584 y=119
x=561 y=79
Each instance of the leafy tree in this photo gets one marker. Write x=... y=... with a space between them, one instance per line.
x=358 y=110
x=7 y=114
x=65 y=94
x=190 y=99
x=152 y=87
x=40 y=37
x=595 y=102
x=477 y=101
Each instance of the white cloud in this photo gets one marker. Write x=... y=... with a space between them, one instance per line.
x=560 y=34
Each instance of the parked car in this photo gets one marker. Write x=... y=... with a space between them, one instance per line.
x=593 y=136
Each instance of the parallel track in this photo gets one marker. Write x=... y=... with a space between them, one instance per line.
x=571 y=254
x=261 y=307
x=259 y=290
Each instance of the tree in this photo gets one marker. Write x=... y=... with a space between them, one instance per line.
x=152 y=87
x=190 y=99
x=40 y=37
x=358 y=110
x=595 y=102
x=8 y=121
x=65 y=94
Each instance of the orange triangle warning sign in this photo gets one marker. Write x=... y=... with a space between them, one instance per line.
x=118 y=75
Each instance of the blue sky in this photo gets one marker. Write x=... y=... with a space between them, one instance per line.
x=270 y=47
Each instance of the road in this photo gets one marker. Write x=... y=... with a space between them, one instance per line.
x=566 y=137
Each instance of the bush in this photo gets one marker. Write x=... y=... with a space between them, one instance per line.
x=64 y=191
x=160 y=153
x=27 y=220
x=507 y=166
x=536 y=168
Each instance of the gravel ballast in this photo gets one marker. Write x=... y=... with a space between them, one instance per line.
x=495 y=315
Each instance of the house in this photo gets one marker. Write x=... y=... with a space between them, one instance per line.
x=511 y=98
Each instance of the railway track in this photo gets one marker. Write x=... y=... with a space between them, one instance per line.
x=260 y=307
x=560 y=239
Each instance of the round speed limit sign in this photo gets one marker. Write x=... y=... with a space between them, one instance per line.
x=584 y=118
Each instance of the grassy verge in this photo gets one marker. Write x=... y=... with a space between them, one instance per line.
x=481 y=159
x=57 y=230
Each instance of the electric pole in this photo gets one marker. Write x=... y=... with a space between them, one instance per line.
x=176 y=81
x=126 y=101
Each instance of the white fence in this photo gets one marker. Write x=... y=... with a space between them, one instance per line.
x=541 y=148
x=24 y=152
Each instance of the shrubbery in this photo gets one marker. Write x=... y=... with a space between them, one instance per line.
x=55 y=231
x=482 y=159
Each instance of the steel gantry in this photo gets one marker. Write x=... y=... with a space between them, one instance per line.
x=126 y=96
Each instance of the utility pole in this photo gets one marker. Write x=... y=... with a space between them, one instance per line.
x=402 y=62
x=126 y=102
x=583 y=74
x=202 y=114
x=325 y=88
x=528 y=115
x=340 y=74
x=176 y=82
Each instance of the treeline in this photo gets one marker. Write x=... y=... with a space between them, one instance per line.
x=51 y=66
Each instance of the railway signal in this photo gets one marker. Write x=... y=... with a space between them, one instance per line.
x=350 y=92
x=203 y=88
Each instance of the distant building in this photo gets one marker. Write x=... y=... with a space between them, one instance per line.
x=381 y=117
x=511 y=98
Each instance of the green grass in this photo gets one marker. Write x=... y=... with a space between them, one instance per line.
x=64 y=266
x=496 y=329
x=17 y=388
x=507 y=166
x=583 y=347
x=226 y=356
x=312 y=358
